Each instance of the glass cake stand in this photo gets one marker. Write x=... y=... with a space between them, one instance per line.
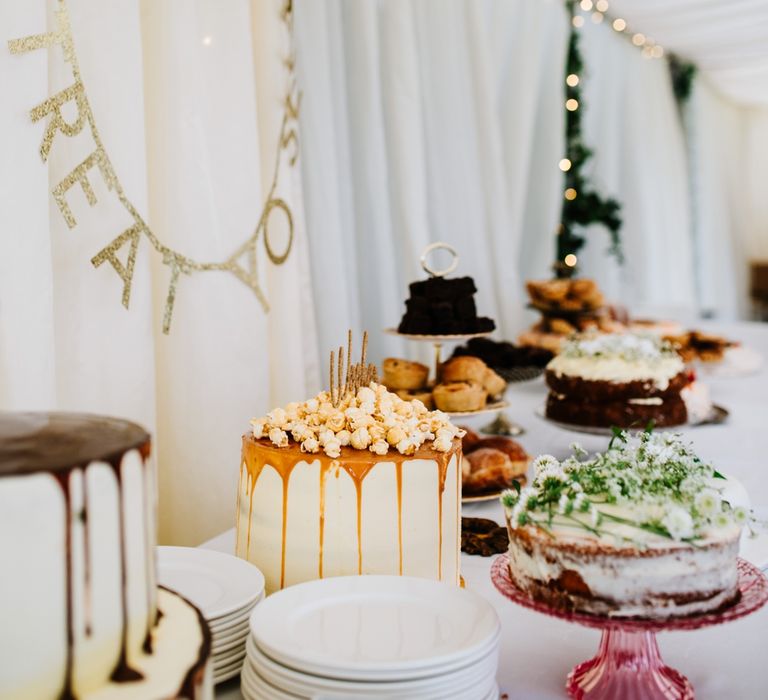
x=628 y=664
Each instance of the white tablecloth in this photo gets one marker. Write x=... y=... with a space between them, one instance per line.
x=728 y=661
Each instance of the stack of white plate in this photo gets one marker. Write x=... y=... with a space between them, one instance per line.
x=373 y=637
x=225 y=589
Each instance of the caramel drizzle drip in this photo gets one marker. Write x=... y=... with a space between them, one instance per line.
x=399 y=475
x=358 y=464
x=441 y=475
x=237 y=508
x=323 y=476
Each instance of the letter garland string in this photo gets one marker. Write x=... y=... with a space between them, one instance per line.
x=178 y=263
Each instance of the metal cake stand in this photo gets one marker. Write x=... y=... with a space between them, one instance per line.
x=628 y=663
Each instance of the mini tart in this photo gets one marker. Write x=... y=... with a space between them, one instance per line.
x=601 y=390
x=464 y=369
x=458 y=397
x=404 y=374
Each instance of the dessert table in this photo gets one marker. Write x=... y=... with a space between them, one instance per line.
x=536 y=651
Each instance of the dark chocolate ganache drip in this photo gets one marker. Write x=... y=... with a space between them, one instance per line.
x=60 y=443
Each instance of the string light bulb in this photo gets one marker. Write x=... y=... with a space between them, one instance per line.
x=570 y=194
x=572 y=104
x=572 y=80
x=597 y=17
x=638 y=39
x=564 y=165
x=570 y=260
x=657 y=51
x=602 y=5
x=586 y=5
x=619 y=24
x=578 y=21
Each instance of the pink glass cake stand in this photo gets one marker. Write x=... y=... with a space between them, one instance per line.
x=628 y=664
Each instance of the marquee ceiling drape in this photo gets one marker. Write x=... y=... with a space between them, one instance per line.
x=726 y=39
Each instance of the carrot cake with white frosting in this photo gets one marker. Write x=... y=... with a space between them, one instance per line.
x=642 y=530
x=620 y=379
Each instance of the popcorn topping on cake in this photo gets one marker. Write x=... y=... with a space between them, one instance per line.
x=372 y=419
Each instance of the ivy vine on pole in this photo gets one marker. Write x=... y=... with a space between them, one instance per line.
x=583 y=205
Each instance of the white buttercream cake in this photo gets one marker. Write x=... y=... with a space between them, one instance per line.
x=370 y=485
x=77 y=534
x=642 y=530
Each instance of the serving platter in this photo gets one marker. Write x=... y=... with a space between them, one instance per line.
x=718 y=415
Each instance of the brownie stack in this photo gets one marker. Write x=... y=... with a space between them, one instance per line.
x=442 y=306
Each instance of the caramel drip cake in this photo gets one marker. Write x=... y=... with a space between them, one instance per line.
x=620 y=379
x=642 y=530
x=353 y=481
x=84 y=616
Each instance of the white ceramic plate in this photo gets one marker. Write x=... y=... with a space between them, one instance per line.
x=225 y=676
x=235 y=618
x=489 y=408
x=373 y=627
x=217 y=583
x=718 y=415
x=458 y=683
x=228 y=667
x=220 y=646
x=231 y=628
x=256 y=688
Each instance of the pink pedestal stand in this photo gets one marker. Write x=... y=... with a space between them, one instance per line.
x=628 y=664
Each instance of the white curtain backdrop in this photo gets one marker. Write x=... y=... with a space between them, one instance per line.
x=421 y=120
x=192 y=134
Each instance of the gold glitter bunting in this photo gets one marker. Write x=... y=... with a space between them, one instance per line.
x=243 y=263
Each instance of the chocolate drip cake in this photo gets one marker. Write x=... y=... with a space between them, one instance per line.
x=618 y=379
x=442 y=306
x=77 y=534
x=642 y=530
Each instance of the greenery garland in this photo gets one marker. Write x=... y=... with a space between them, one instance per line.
x=582 y=203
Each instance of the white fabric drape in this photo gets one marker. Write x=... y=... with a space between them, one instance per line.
x=428 y=121
x=172 y=88
x=640 y=158
x=728 y=41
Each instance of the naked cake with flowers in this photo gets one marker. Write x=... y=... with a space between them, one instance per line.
x=352 y=481
x=641 y=530
x=621 y=379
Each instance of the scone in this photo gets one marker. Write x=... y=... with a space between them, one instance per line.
x=493 y=383
x=458 y=397
x=463 y=369
x=404 y=374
